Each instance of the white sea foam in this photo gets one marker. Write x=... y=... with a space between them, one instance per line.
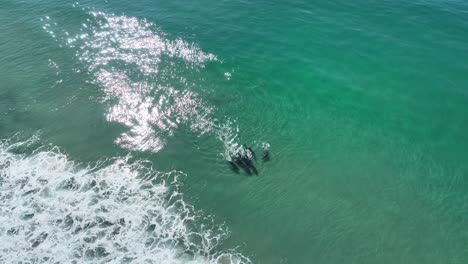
x=53 y=210
x=144 y=79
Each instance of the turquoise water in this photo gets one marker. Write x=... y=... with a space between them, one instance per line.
x=363 y=105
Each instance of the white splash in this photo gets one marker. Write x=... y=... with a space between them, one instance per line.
x=53 y=210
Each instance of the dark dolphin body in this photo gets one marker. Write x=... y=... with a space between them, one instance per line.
x=245 y=161
x=250 y=150
x=252 y=167
x=248 y=162
x=266 y=155
x=233 y=167
x=242 y=162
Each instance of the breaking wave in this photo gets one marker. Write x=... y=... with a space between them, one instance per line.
x=57 y=211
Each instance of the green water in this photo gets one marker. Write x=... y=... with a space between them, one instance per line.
x=364 y=104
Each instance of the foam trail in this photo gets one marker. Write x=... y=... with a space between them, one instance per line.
x=53 y=210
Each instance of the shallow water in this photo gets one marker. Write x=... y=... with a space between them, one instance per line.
x=363 y=105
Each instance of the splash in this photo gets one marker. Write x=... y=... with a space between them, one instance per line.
x=54 y=210
x=265 y=145
x=145 y=79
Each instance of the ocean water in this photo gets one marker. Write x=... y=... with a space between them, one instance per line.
x=118 y=119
